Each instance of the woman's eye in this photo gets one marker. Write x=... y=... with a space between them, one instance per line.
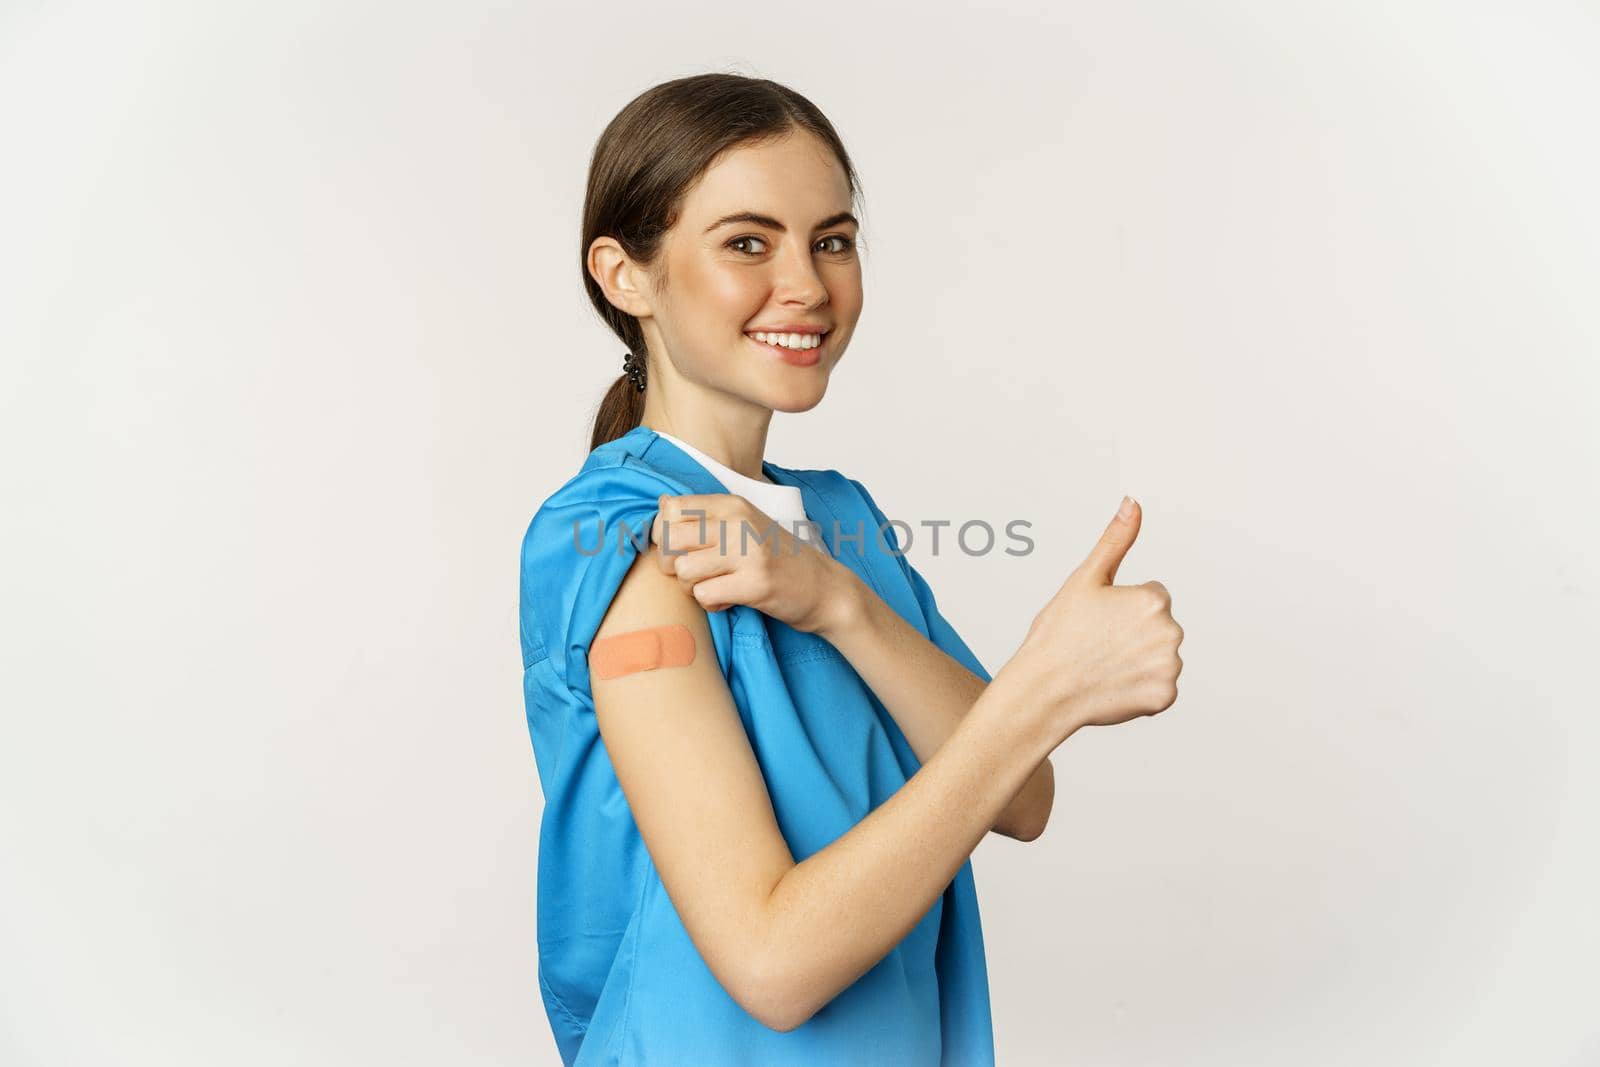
x=845 y=244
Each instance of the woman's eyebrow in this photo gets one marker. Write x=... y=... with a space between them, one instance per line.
x=758 y=219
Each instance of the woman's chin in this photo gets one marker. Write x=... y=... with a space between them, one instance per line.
x=793 y=397
x=797 y=404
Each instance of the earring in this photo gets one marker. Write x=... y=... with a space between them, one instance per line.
x=633 y=367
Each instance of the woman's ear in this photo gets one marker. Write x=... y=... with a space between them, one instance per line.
x=618 y=276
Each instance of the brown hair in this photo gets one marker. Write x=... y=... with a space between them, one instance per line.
x=647 y=158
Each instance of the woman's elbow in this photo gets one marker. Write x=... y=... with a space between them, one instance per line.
x=771 y=994
x=1023 y=827
x=1032 y=823
x=1033 y=829
x=778 y=1010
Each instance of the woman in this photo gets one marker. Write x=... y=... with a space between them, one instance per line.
x=765 y=754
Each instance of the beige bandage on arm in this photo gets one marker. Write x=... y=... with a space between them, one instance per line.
x=642 y=650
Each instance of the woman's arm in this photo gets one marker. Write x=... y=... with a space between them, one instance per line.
x=785 y=938
x=926 y=690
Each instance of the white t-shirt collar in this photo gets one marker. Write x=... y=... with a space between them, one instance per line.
x=783 y=502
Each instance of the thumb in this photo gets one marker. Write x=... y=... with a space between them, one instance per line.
x=1102 y=562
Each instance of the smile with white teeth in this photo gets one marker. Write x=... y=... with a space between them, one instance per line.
x=798 y=341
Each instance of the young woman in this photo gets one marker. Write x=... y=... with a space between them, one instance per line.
x=765 y=754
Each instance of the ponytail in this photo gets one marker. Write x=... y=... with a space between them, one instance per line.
x=620 y=411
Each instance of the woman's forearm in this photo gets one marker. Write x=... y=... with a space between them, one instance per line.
x=833 y=916
x=926 y=690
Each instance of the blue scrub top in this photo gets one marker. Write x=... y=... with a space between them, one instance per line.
x=622 y=982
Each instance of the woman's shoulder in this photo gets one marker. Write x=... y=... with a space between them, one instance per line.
x=581 y=540
x=580 y=545
x=612 y=484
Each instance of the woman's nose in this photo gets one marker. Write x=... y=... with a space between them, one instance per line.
x=797 y=279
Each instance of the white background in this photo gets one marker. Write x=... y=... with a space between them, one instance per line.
x=295 y=343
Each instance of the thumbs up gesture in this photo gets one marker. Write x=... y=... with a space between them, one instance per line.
x=1104 y=653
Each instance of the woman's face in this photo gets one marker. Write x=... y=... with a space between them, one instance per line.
x=764 y=240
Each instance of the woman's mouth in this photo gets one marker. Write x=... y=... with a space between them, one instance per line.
x=792 y=348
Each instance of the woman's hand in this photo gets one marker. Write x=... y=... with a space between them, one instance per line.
x=1103 y=654
x=725 y=551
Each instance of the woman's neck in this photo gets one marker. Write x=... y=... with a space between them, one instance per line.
x=738 y=452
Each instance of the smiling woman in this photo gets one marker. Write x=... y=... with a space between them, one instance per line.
x=756 y=839
x=719 y=223
x=681 y=791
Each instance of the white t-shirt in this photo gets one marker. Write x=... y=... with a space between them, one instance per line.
x=783 y=502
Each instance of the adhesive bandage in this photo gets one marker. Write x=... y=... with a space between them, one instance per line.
x=642 y=650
